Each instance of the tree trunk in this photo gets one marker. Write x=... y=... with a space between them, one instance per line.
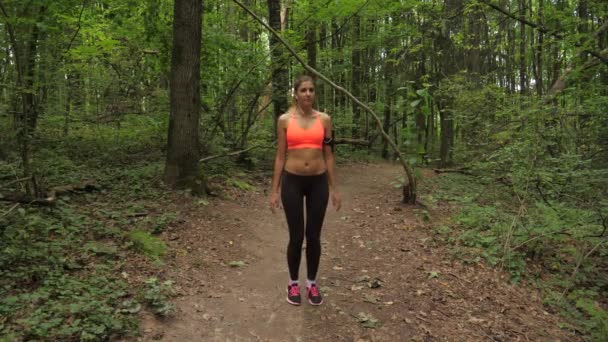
x=280 y=82
x=388 y=78
x=311 y=45
x=539 y=53
x=449 y=51
x=523 y=75
x=24 y=54
x=356 y=78
x=181 y=168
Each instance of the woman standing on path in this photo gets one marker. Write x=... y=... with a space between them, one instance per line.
x=304 y=167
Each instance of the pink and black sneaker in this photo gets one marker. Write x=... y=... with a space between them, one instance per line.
x=293 y=294
x=314 y=296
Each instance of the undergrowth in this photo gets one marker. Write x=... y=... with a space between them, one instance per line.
x=61 y=266
x=550 y=246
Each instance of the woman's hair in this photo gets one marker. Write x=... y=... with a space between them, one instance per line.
x=296 y=84
x=300 y=80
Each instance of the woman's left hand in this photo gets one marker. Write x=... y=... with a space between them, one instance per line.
x=336 y=200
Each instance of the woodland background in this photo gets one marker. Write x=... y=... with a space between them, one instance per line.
x=509 y=96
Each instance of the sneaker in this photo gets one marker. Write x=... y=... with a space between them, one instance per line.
x=314 y=296
x=293 y=294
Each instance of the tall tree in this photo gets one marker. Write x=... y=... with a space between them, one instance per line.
x=181 y=168
x=280 y=81
x=356 y=76
x=23 y=31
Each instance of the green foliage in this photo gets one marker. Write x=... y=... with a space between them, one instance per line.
x=492 y=227
x=60 y=266
x=156 y=295
x=583 y=308
x=147 y=244
x=43 y=293
x=161 y=223
x=239 y=184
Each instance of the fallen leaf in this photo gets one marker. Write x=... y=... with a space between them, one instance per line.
x=356 y=287
x=370 y=299
x=434 y=274
x=239 y=263
x=476 y=320
x=362 y=279
x=375 y=283
x=367 y=320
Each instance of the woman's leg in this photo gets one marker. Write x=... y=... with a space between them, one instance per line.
x=316 y=204
x=293 y=204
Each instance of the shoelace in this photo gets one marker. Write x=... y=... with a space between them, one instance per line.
x=314 y=291
x=294 y=290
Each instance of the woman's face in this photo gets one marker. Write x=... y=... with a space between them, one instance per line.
x=305 y=95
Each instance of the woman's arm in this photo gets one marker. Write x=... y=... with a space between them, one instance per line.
x=328 y=153
x=279 y=163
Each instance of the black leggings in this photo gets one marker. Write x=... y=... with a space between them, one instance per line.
x=293 y=190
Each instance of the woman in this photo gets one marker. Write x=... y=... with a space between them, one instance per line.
x=304 y=167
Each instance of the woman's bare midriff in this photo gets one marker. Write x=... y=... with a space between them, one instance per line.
x=305 y=162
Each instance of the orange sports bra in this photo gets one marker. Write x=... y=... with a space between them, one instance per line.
x=305 y=138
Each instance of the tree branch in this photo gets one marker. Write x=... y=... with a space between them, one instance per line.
x=554 y=33
x=230 y=153
x=11 y=209
x=523 y=20
x=84 y=2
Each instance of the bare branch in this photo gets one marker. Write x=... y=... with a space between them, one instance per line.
x=11 y=209
x=578 y=265
x=234 y=153
x=84 y=2
x=553 y=33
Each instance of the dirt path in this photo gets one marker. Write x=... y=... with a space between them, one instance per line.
x=378 y=264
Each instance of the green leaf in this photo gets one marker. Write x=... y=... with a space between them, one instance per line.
x=422 y=92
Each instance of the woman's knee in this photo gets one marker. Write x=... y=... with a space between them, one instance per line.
x=296 y=241
x=313 y=240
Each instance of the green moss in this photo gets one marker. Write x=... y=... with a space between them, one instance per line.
x=147 y=244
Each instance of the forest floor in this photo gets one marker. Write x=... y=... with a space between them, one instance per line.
x=383 y=276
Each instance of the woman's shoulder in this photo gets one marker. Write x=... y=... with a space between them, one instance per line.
x=284 y=117
x=324 y=116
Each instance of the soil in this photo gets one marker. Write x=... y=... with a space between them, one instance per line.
x=382 y=276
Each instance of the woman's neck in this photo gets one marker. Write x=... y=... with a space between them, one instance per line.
x=305 y=111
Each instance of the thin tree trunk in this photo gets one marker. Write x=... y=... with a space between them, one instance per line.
x=280 y=82
x=523 y=75
x=356 y=78
x=539 y=53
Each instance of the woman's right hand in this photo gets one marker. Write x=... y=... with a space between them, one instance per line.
x=274 y=201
